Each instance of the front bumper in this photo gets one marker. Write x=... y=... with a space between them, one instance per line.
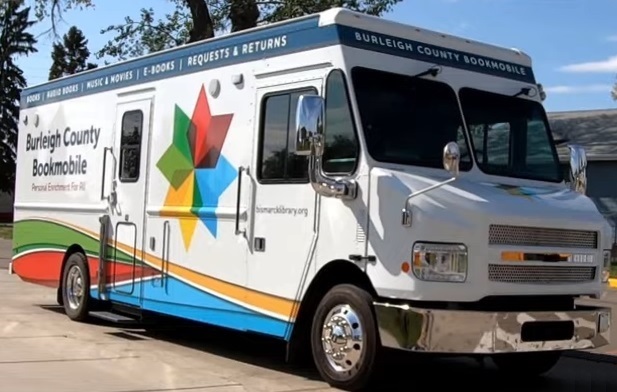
x=477 y=332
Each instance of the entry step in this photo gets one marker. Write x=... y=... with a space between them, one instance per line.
x=113 y=317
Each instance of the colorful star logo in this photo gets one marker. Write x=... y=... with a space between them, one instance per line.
x=515 y=190
x=197 y=172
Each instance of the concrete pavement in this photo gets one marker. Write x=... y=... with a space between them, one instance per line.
x=42 y=350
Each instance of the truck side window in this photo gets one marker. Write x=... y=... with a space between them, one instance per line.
x=278 y=162
x=341 y=149
x=130 y=145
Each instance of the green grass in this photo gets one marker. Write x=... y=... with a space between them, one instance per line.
x=6 y=232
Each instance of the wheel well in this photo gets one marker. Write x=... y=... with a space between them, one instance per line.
x=71 y=250
x=334 y=273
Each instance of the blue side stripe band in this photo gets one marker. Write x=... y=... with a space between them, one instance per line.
x=292 y=37
x=179 y=299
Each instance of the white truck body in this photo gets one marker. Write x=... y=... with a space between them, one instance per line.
x=198 y=226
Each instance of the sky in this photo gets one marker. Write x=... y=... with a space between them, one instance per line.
x=573 y=43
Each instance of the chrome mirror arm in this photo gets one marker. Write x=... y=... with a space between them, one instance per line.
x=406 y=213
x=341 y=188
x=451 y=160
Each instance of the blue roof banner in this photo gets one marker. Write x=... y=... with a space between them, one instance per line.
x=286 y=38
x=282 y=39
x=433 y=54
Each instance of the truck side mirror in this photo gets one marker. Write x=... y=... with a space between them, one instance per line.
x=578 y=168
x=451 y=158
x=309 y=125
x=310 y=114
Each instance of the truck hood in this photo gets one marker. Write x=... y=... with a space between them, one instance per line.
x=494 y=202
x=462 y=212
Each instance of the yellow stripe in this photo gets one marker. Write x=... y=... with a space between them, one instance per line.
x=268 y=302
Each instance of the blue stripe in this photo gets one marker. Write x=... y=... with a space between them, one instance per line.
x=180 y=299
x=292 y=37
x=252 y=45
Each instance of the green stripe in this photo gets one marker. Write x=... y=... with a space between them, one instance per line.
x=31 y=247
x=31 y=234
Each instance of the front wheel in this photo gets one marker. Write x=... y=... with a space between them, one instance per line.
x=344 y=338
x=527 y=364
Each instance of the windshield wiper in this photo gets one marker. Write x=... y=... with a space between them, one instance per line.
x=433 y=71
x=524 y=90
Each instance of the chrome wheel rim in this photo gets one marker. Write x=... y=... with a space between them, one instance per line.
x=74 y=287
x=341 y=338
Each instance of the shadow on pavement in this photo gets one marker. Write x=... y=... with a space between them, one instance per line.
x=403 y=371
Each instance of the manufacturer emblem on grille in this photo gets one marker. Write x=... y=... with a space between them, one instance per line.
x=581 y=258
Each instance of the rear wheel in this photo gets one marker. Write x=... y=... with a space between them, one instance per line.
x=344 y=339
x=527 y=364
x=76 y=287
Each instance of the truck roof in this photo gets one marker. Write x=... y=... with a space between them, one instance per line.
x=334 y=26
x=355 y=19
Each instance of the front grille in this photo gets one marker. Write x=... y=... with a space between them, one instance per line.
x=539 y=236
x=540 y=273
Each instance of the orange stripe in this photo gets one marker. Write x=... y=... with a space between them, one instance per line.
x=44 y=266
x=271 y=303
x=262 y=300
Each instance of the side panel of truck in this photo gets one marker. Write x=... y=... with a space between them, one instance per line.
x=58 y=188
x=203 y=138
x=130 y=149
x=282 y=236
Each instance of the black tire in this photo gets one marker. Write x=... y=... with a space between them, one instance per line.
x=76 y=307
x=358 y=307
x=531 y=364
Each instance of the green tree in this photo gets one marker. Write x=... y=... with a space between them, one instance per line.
x=58 y=62
x=195 y=20
x=70 y=56
x=15 y=41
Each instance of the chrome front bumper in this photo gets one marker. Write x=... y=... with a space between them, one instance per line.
x=469 y=332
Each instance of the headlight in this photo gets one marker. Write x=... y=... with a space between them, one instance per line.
x=606 y=266
x=440 y=262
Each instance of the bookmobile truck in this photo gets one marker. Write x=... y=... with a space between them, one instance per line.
x=339 y=181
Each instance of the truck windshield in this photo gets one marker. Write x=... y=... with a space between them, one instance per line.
x=510 y=136
x=408 y=120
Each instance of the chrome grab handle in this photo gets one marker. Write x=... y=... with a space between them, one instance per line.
x=241 y=170
x=104 y=170
x=165 y=253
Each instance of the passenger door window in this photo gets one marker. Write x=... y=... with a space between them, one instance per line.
x=130 y=146
x=278 y=162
